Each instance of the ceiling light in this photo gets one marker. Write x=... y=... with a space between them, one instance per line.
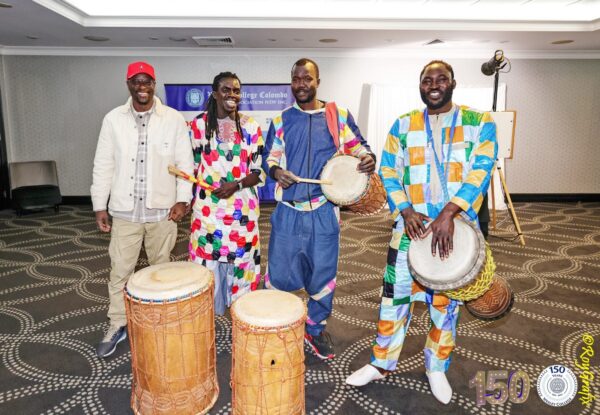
x=177 y=39
x=433 y=42
x=298 y=40
x=153 y=38
x=5 y=5
x=272 y=40
x=96 y=38
x=328 y=40
x=562 y=42
x=32 y=37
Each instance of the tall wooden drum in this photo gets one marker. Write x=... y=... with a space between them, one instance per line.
x=267 y=374
x=171 y=329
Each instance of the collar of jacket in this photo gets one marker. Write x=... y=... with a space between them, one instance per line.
x=159 y=108
x=296 y=106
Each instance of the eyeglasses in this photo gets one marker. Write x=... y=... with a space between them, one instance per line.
x=141 y=82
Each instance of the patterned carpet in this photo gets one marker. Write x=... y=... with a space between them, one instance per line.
x=53 y=302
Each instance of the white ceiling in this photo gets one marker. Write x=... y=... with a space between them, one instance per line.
x=470 y=26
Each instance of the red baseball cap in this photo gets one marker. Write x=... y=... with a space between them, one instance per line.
x=140 y=67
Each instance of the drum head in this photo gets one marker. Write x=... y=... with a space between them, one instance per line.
x=348 y=184
x=268 y=308
x=169 y=281
x=460 y=268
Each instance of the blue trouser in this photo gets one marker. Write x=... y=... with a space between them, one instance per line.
x=303 y=253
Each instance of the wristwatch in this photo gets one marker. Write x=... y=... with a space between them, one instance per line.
x=240 y=185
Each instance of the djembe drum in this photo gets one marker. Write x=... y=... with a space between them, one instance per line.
x=466 y=275
x=267 y=374
x=361 y=193
x=171 y=329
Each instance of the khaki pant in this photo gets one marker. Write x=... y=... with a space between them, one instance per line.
x=125 y=243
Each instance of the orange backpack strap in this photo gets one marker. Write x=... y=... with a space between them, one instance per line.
x=331 y=115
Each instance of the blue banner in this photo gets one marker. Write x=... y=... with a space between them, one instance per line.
x=255 y=97
x=261 y=101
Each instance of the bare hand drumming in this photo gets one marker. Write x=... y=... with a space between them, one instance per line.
x=285 y=178
x=102 y=220
x=442 y=229
x=178 y=211
x=413 y=223
x=367 y=164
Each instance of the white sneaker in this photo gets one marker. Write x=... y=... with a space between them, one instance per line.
x=364 y=375
x=440 y=387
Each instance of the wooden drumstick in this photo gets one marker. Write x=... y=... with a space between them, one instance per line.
x=315 y=181
x=175 y=171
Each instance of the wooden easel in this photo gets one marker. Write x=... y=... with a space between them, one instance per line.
x=505 y=129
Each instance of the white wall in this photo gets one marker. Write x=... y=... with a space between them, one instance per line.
x=54 y=105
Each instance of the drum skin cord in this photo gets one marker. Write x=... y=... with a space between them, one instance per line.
x=249 y=346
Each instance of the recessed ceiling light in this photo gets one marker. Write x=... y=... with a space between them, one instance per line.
x=504 y=41
x=96 y=38
x=272 y=40
x=177 y=39
x=153 y=38
x=298 y=40
x=32 y=37
x=5 y=5
x=562 y=42
x=433 y=42
x=328 y=40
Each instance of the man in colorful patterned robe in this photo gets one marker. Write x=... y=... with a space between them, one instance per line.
x=227 y=150
x=428 y=180
x=304 y=243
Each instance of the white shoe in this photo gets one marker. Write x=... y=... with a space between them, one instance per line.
x=440 y=387
x=364 y=375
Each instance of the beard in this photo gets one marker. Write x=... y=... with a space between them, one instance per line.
x=446 y=98
x=311 y=93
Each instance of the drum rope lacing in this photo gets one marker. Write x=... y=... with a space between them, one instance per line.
x=289 y=335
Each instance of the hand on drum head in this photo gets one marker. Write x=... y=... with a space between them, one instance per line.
x=442 y=230
x=285 y=178
x=367 y=164
x=414 y=223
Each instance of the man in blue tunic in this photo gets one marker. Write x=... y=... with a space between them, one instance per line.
x=304 y=243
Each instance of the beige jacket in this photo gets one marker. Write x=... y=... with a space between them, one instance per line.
x=114 y=164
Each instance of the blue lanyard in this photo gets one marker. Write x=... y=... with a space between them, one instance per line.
x=443 y=173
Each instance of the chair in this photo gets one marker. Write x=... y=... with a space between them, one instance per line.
x=34 y=185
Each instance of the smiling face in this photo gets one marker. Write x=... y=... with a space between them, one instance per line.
x=436 y=88
x=305 y=82
x=141 y=88
x=227 y=96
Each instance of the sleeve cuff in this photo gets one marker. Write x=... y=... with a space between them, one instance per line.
x=272 y=171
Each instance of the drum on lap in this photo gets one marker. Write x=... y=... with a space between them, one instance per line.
x=361 y=193
x=466 y=275
x=267 y=374
x=171 y=331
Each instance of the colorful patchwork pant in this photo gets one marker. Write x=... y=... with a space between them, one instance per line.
x=400 y=292
x=393 y=324
x=303 y=253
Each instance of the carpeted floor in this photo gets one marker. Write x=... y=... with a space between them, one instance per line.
x=53 y=301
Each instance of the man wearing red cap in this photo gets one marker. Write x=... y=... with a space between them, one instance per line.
x=137 y=143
